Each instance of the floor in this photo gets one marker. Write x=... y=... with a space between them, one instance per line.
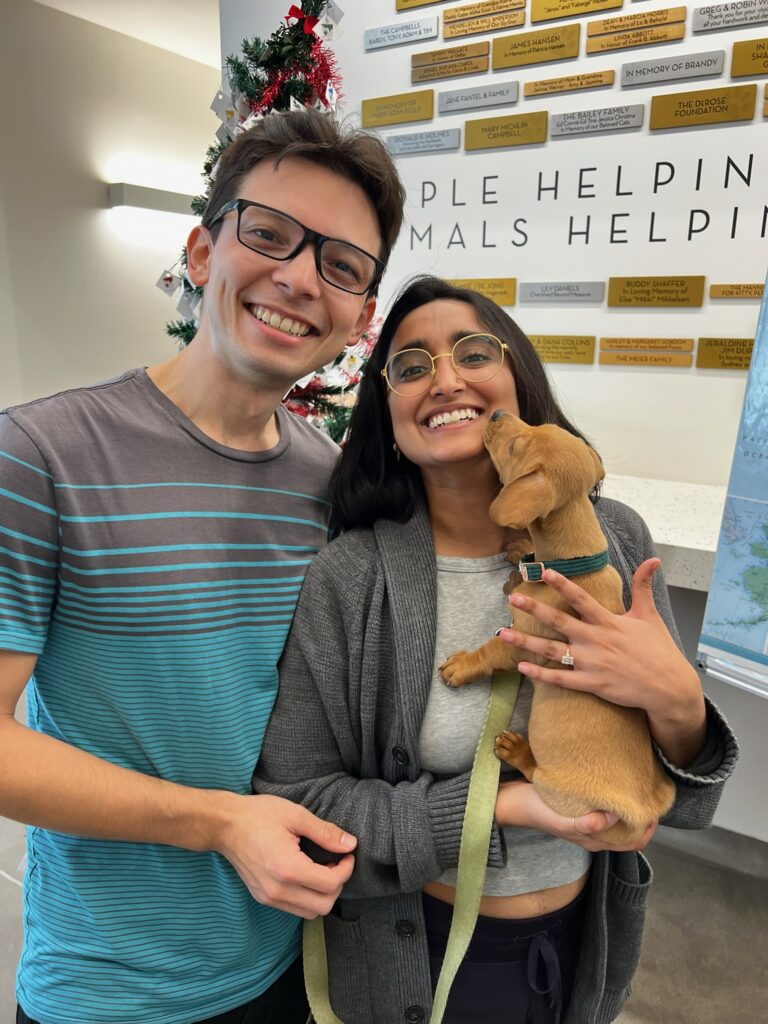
x=705 y=957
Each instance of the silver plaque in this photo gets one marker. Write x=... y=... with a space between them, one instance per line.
x=497 y=95
x=561 y=291
x=731 y=15
x=603 y=119
x=402 y=32
x=423 y=142
x=669 y=69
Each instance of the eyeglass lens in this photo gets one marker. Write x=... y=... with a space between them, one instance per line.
x=273 y=234
x=475 y=358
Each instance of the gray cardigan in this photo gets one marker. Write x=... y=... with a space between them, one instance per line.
x=343 y=741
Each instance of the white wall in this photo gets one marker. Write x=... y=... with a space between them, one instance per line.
x=81 y=106
x=9 y=352
x=677 y=424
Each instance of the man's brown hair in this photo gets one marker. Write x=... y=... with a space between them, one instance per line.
x=356 y=155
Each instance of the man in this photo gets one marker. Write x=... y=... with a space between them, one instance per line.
x=154 y=533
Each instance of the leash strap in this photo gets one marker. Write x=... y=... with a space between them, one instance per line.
x=473 y=857
x=476 y=834
x=316 y=973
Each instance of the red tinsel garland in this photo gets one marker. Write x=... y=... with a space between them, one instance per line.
x=321 y=71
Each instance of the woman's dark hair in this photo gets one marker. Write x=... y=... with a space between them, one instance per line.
x=369 y=481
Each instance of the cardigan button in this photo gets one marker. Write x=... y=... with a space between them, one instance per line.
x=405 y=928
x=414 y=1014
x=400 y=755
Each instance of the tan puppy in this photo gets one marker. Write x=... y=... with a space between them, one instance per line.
x=584 y=753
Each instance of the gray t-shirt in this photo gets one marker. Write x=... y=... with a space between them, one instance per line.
x=471 y=605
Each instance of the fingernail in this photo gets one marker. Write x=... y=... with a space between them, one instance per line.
x=347 y=840
x=517 y=600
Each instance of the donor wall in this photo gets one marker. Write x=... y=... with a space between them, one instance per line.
x=600 y=168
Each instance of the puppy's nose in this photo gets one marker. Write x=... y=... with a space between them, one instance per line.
x=497 y=415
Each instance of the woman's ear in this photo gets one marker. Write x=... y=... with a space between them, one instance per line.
x=199 y=253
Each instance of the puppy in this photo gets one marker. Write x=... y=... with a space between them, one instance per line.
x=583 y=753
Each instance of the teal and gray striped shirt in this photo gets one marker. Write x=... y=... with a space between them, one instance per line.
x=154 y=572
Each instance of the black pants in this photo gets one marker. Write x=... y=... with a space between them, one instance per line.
x=514 y=971
x=284 y=1002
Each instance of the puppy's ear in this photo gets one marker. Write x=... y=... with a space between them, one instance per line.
x=523 y=501
x=599 y=467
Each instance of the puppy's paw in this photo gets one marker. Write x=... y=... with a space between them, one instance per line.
x=512 y=749
x=459 y=669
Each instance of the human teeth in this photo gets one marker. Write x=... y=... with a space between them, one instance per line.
x=294 y=327
x=441 y=418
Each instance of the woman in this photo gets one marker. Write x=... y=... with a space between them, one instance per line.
x=365 y=733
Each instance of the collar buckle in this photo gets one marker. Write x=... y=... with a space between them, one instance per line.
x=532 y=572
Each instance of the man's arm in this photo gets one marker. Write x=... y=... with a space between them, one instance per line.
x=56 y=786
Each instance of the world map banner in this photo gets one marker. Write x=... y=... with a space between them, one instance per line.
x=734 y=638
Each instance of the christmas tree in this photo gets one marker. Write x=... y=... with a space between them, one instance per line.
x=290 y=69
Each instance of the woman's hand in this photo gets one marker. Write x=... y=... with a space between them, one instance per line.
x=518 y=803
x=628 y=659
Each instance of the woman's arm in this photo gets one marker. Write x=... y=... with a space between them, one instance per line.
x=331 y=735
x=633 y=660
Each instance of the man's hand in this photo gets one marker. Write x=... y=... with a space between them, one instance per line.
x=261 y=841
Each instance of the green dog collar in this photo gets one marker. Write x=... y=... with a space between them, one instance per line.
x=532 y=571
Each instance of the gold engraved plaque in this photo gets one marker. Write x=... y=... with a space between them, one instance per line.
x=640 y=37
x=547 y=44
x=548 y=10
x=502 y=290
x=481 y=10
x=736 y=291
x=750 y=58
x=646 y=345
x=564 y=348
x=408 y=5
x=631 y=22
x=724 y=353
x=400 y=109
x=493 y=23
x=514 y=130
x=656 y=291
x=657 y=359
x=569 y=83
x=450 y=53
x=452 y=69
x=704 y=106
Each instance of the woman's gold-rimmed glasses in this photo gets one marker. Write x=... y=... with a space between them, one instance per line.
x=475 y=358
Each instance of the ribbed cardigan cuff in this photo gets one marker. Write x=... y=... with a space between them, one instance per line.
x=716 y=760
x=447 y=801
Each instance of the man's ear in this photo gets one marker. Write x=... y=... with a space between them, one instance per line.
x=199 y=253
x=366 y=315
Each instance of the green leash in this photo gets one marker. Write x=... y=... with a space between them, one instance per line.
x=473 y=857
x=476 y=834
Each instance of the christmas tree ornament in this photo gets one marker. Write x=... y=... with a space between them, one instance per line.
x=168 y=282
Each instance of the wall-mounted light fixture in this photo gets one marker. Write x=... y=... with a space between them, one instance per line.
x=121 y=194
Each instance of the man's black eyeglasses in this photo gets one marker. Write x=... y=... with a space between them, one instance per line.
x=274 y=234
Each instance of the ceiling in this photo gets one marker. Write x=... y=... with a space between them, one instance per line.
x=187 y=27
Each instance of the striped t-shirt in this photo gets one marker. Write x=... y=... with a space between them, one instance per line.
x=155 y=573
